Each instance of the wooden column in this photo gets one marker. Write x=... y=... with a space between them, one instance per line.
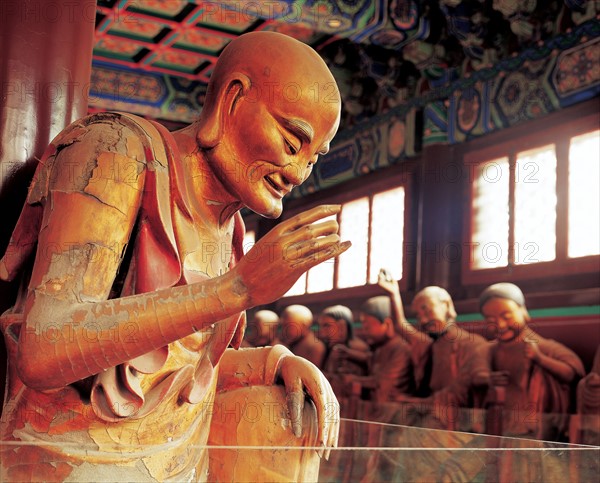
x=441 y=181
x=45 y=70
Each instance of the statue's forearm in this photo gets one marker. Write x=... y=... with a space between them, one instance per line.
x=358 y=355
x=407 y=331
x=63 y=342
x=557 y=368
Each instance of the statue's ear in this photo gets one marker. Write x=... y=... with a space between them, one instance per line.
x=451 y=311
x=218 y=106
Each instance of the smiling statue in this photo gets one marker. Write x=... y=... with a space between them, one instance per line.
x=124 y=359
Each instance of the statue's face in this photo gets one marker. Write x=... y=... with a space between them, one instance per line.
x=432 y=313
x=505 y=316
x=374 y=331
x=332 y=331
x=270 y=145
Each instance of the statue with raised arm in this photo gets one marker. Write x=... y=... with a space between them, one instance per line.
x=122 y=345
x=449 y=361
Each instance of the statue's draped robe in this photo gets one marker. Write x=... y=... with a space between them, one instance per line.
x=391 y=366
x=107 y=425
x=336 y=368
x=537 y=403
x=445 y=367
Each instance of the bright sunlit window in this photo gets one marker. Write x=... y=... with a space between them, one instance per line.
x=535 y=206
x=354 y=226
x=584 y=195
x=532 y=206
x=490 y=202
x=387 y=238
x=375 y=226
x=299 y=287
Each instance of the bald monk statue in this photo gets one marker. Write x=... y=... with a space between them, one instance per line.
x=540 y=375
x=122 y=344
x=262 y=329
x=449 y=361
x=296 y=334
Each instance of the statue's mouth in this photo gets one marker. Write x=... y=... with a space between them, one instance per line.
x=278 y=190
x=505 y=332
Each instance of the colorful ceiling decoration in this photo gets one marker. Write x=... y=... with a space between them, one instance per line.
x=154 y=57
x=555 y=74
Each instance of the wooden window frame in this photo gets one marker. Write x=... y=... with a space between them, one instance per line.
x=555 y=129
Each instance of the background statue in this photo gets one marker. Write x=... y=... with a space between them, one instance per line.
x=296 y=333
x=119 y=340
x=262 y=329
x=585 y=426
x=449 y=361
x=390 y=371
x=336 y=331
x=539 y=374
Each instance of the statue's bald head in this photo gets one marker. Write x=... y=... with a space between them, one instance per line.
x=273 y=68
x=296 y=321
x=271 y=109
x=266 y=317
x=270 y=58
x=298 y=314
x=262 y=328
x=434 y=309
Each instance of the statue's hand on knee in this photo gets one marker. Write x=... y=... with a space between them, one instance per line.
x=257 y=367
x=300 y=378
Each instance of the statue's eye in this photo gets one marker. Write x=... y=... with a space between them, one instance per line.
x=291 y=149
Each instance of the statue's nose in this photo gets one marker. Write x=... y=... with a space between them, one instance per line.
x=295 y=174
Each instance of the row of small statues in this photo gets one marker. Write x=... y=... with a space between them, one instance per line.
x=436 y=364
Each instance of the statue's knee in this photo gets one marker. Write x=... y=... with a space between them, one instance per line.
x=259 y=416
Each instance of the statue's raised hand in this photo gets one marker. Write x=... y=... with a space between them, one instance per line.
x=278 y=259
x=387 y=282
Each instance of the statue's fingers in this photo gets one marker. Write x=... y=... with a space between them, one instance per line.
x=322 y=395
x=334 y=423
x=323 y=430
x=324 y=228
x=295 y=402
x=334 y=443
x=315 y=230
x=310 y=254
x=305 y=248
x=308 y=217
